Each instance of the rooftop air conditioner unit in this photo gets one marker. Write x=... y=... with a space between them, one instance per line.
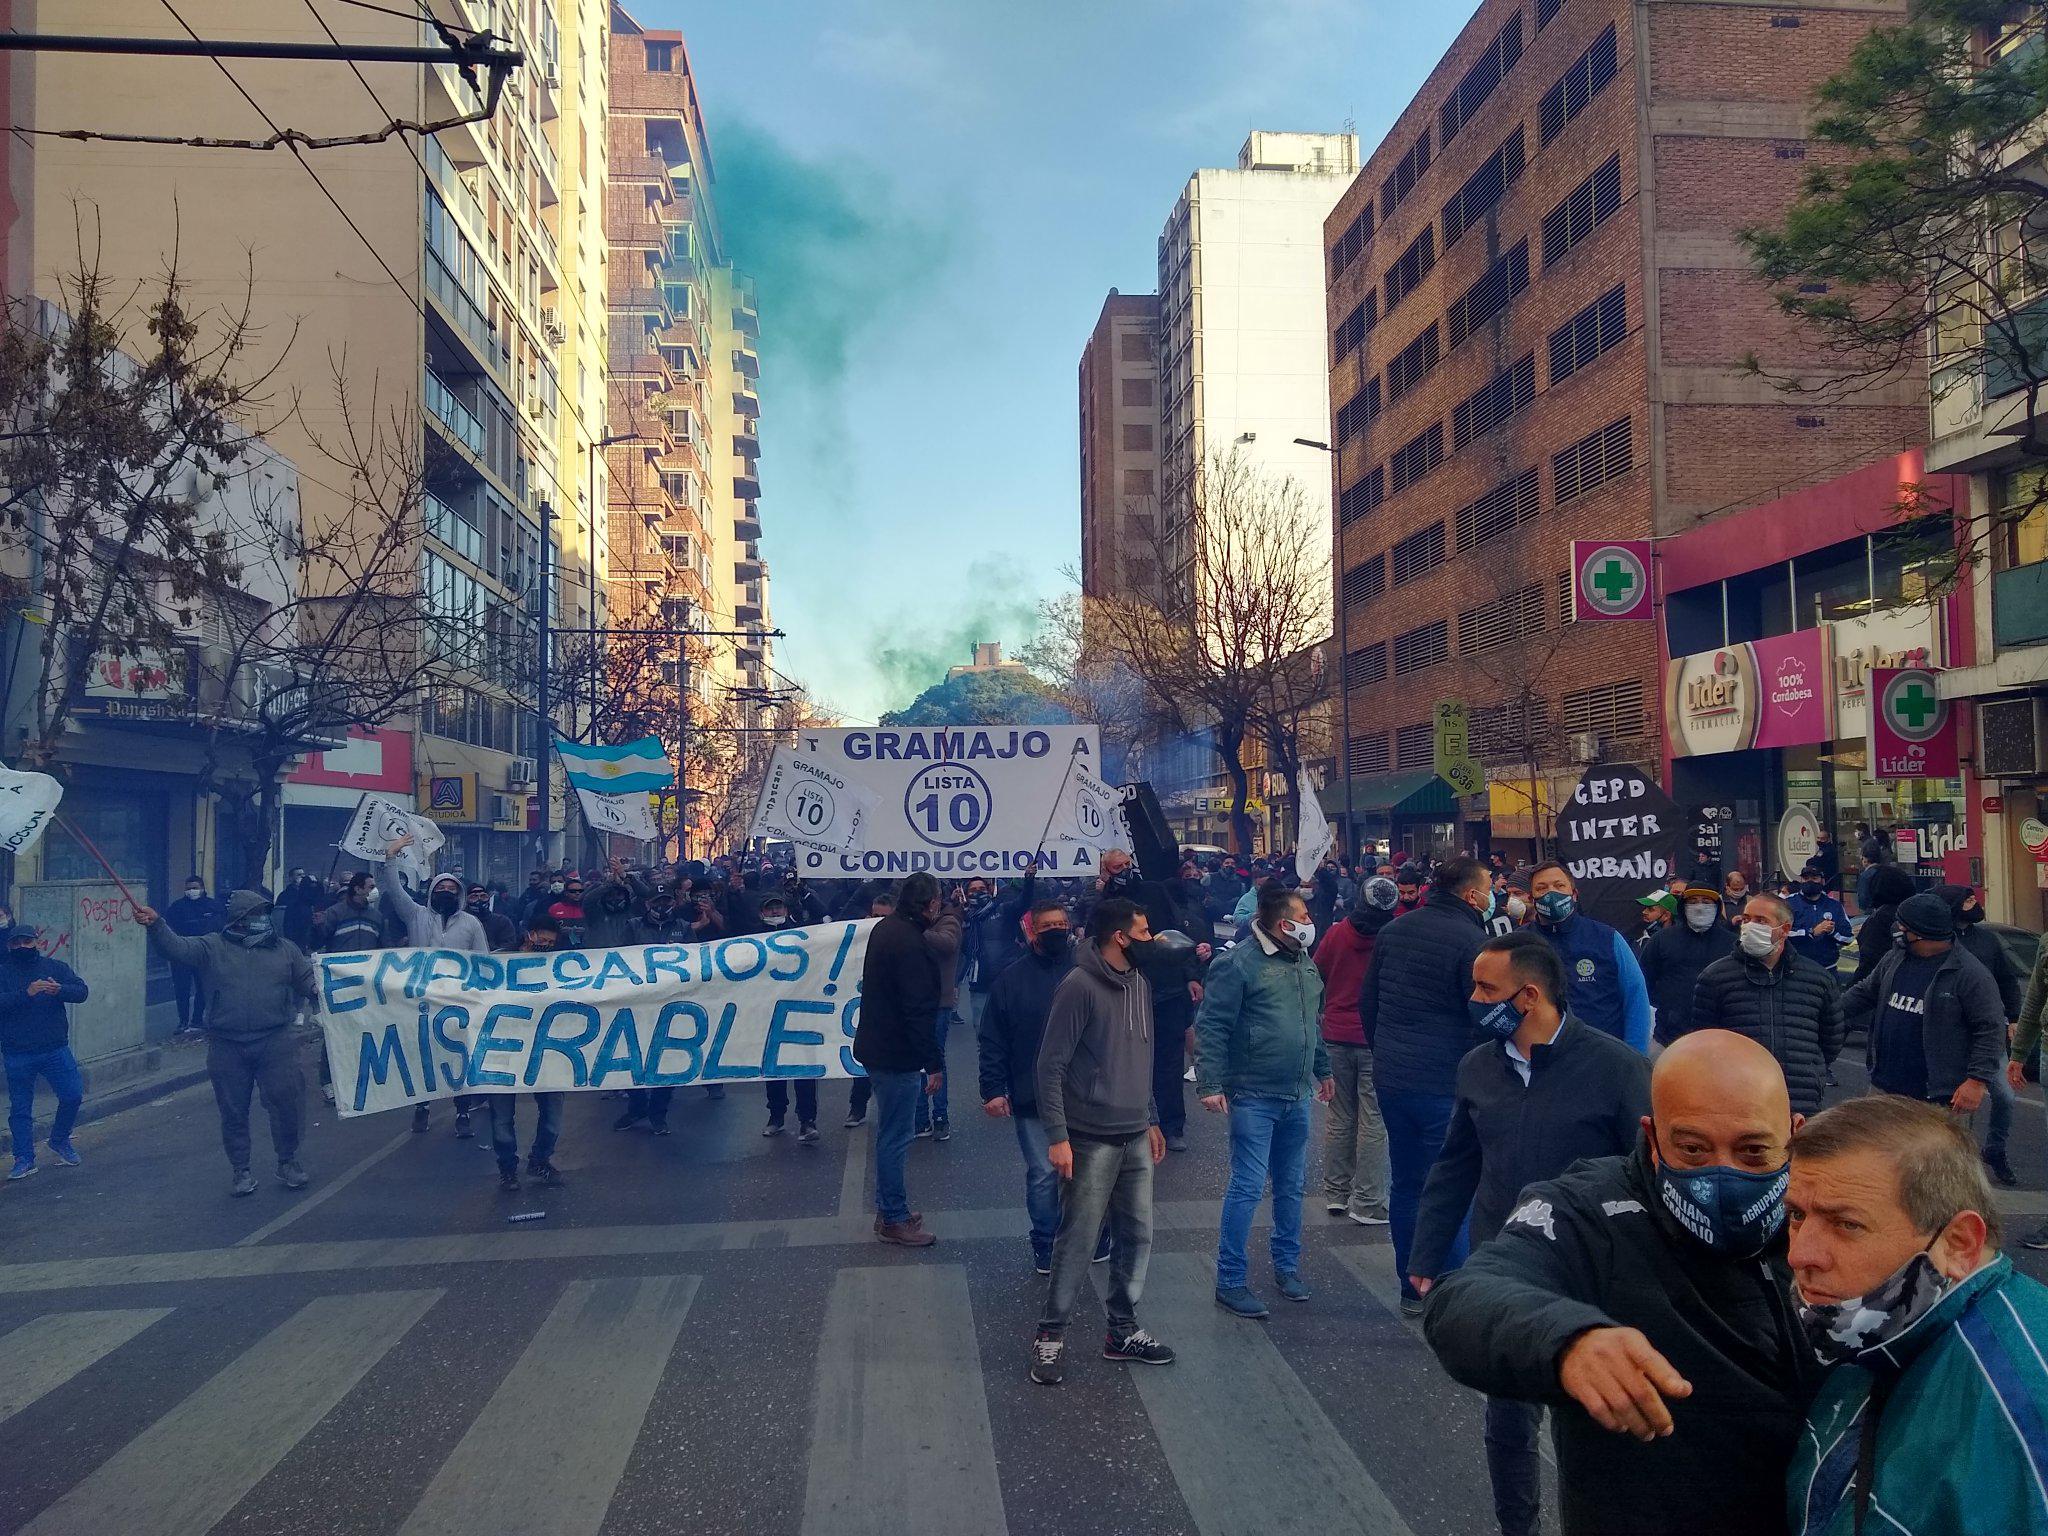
x=2010 y=736
x=551 y=328
x=521 y=774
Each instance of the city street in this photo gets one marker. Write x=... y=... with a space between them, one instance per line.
x=701 y=1336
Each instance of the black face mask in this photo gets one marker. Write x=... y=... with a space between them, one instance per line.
x=1054 y=944
x=24 y=955
x=1970 y=915
x=615 y=903
x=443 y=902
x=1122 y=880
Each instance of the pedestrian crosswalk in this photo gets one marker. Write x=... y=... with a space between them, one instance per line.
x=905 y=1363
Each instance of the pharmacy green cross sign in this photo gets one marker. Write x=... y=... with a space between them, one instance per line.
x=1910 y=706
x=1611 y=579
x=1912 y=727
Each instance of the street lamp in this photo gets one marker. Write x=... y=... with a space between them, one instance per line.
x=1343 y=672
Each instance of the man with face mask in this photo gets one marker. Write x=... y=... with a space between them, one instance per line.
x=256 y=982
x=565 y=906
x=1008 y=1032
x=1820 y=923
x=499 y=933
x=1259 y=1055
x=1673 y=957
x=1644 y=1298
x=1608 y=990
x=1412 y=1009
x=1542 y=1092
x=440 y=924
x=193 y=914
x=1355 y=1149
x=896 y=1040
x=1776 y=997
x=612 y=917
x=35 y=1038
x=1931 y=1416
x=1937 y=1026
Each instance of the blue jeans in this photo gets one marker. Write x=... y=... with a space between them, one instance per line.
x=934 y=1104
x=896 y=1095
x=1416 y=1126
x=1999 y=1130
x=58 y=1068
x=1268 y=1136
x=547 y=1129
x=1041 y=1184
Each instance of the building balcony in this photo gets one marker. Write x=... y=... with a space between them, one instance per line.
x=746 y=523
x=628 y=297
x=637 y=362
x=2019 y=605
x=746 y=321
x=454 y=418
x=682 y=331
x=746 y=488
x=747 y=567
x=624 y=168
x=2017 y=354
x=747 y=403
x=746 y=441
x=746 y=364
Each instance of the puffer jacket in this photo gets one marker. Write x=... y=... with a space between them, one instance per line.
x=1953 y=1407
x=1672 y=959
x=1412 y=1002
x=1259 y=1028
x=1791 y=1009
x=252 y=990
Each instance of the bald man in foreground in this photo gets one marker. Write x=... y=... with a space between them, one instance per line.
x=1646 y=1299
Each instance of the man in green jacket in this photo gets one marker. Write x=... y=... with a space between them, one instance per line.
x=1934 y=1416
x=1259 y=1054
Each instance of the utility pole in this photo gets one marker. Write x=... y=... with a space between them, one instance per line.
x=544 y=764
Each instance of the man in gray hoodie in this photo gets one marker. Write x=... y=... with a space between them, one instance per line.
x=255 y=982
x=440 y=924
x=1094 y=1083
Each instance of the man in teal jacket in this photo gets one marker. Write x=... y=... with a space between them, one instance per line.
x=1259 y=1054
x=1934 y=1416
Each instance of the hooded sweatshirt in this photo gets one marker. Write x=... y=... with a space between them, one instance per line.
x=424 y=927
x=1094 y=1075
x=251 y=989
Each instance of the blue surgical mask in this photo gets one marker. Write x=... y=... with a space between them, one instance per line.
x=1556 y=906
x=1730 y=1210
x=1498 y=1020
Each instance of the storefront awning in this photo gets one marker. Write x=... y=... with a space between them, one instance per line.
x=1392 y=794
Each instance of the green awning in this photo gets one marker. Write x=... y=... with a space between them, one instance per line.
x=1392 y=794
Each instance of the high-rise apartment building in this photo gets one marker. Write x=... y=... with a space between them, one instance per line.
x=1120 y=452
x=685 y=514
x=1241 y=356
x=442 y=299
x=1539 y=319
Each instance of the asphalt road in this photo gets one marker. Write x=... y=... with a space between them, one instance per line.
x=701 y=1336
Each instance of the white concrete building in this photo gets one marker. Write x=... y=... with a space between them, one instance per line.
x=1244 y=350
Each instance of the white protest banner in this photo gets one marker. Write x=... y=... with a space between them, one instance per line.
x=811 y=805
x=955 y=799
x=1089 y=812
x=407 y=1026
x=378 y=822
x=1313 y=837
x=629 y=815
x=27 y=802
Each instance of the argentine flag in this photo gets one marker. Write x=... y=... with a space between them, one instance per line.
x=637 y=767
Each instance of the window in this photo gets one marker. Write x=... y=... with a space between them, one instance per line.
x=1134 y=347
x=1487 y=407
x=1365 y=581
x=1138 y=482
x=1366 y=665
x=1495 y=624
x=1600 y=325
x=1135 y=391
x=1416 y=458
x=661 y=56
x=1500 y=509
x=1137 y=437
x=1517 y=730
x=1415 y=745
x=1418 y=554
x=1358 y=412
x=1361 y=496
x=1409 y=269
x=1501 y=284
x=1546 y=12
x=1612 y=709
x=1589 y=205
x=1368 y=754
x=1351 y=244
x=1588 y=75
x=1592 y=461
x=1355 y=327
x=1480 y=80
x=1406 y=172
x=1484 y=187
x=1409 y=366
x=1423 y=646
x=1564 y=597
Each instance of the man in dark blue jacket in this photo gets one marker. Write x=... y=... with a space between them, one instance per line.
x=1820 y=924
x=1543 y=1091
x=35 y=1037
x=1011 y=1025
x=1608 y=990
x=1412 y=1008
x=191 y=915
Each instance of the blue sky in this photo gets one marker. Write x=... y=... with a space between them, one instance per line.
x=935 y=196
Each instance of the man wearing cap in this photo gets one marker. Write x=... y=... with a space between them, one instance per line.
x=35 y=1037
x=499 y=933
x=1820 y=924
x=1937 y=1027
x=1654 y=912
x=440 y=924
x=1673 y=957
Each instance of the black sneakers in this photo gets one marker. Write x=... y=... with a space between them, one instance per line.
x=1136 y=1345
x=2036 y=1239
x=543 y=1173
x=1048 y=1360
x=942 y=1129
x=2000 y=1168
x=462 y=1127
x=421 y=1119
x=508 y=1178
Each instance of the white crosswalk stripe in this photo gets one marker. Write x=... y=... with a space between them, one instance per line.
x=45 y=1352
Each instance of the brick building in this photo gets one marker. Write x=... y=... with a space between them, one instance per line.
x=1119 y=397
x=1539 y=314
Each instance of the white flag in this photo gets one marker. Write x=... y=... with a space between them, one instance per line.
x=629 y=815
x=27 y=802
x=806 y=801
x=1090 y=812
x=1314 y=837
x=378 y=823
